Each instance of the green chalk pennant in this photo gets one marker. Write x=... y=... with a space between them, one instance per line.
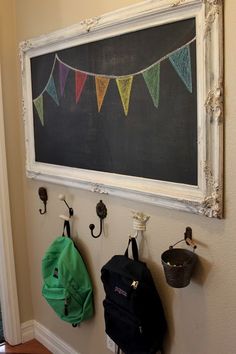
x=152 y=79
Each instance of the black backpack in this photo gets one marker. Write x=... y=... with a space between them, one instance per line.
x=134 y=316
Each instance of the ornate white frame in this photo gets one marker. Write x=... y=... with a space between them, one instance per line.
x=207 y=197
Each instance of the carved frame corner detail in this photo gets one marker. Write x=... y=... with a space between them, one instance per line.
x=213 y=9
x=214 y=103
x=212 y=205
x=89 y=23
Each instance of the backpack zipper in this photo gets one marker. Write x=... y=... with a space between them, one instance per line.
x=134 y=284
x=66 y=307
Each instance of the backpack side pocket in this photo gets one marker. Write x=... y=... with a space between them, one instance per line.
x=57 y=299
x=123 y=328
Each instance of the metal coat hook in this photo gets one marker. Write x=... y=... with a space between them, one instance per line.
x=63 y=198
x=188 y=238
x=101 y=213
x=43 y=195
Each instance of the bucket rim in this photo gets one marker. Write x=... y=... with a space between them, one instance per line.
x=192 y=257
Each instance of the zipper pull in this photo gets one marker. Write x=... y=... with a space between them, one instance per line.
x=140 y=330
x=134 y=284
x=65 y=307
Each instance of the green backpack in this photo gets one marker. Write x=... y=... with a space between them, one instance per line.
x=66 y=283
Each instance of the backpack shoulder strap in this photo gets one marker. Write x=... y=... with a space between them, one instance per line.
x=66 y=227
x=134 y=248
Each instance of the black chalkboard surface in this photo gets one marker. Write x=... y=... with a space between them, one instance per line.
x=124 y=105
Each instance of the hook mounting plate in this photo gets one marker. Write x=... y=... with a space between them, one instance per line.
x=101 y=213
x=101 y=210
x=43 y=195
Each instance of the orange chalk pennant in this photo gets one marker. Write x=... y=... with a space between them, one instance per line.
x=101 y=83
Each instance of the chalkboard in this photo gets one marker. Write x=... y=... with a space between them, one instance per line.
x=130 y=104
x=125 y=105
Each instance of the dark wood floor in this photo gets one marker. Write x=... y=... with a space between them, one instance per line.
x=31 y=347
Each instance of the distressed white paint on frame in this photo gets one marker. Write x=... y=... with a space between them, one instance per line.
x=207 y=197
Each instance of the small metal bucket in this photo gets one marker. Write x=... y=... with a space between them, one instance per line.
x=178 y=264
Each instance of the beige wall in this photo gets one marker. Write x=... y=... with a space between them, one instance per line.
x=202 y=317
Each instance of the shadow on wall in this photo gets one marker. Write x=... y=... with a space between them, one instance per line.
x=1 y=328
x=185 y=309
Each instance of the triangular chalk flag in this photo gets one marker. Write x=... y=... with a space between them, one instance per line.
x=38 y=102
x=51 y=90
x=181 y=61
x=101 y=83
x=152 y=79
x=80 y=79
x=124 y=85
x=63 y=73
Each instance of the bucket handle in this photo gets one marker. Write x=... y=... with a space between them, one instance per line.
x=187 y=238
x=192 y=244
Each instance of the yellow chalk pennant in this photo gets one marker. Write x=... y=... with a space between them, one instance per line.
x=38 y=102
x=124 y=85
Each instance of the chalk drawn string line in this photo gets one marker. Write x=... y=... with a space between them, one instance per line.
x=56 y=58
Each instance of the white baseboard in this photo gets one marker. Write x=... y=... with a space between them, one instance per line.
x=33 y=329
x=27 y=331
